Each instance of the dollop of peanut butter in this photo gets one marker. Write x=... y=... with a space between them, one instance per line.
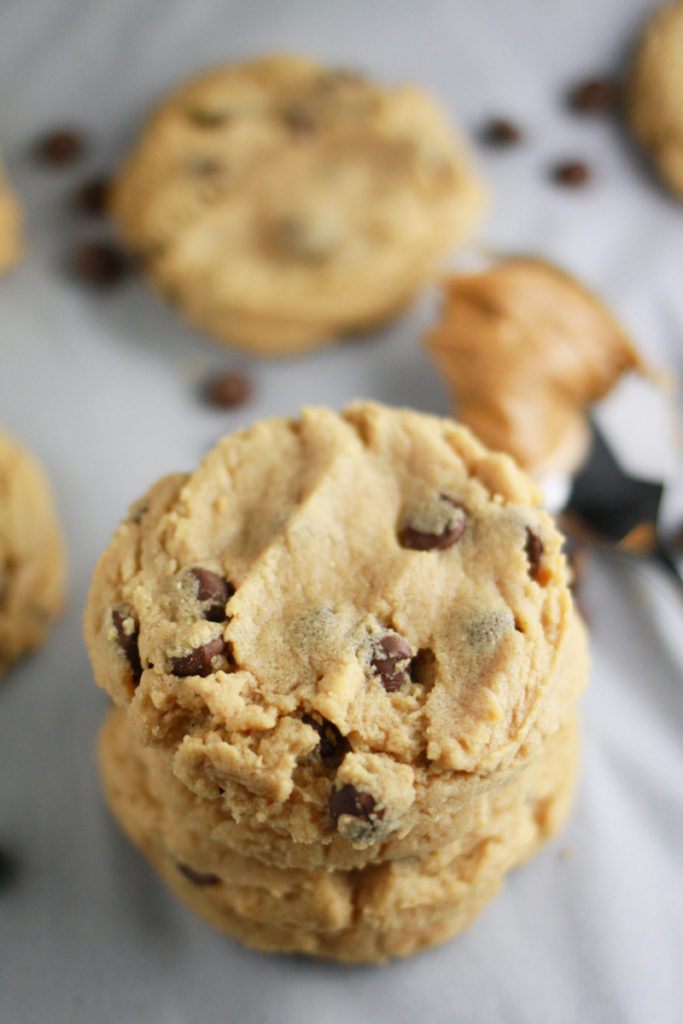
x=525 y=348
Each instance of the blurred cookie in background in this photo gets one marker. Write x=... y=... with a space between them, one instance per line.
x=279 y=203
x=655 y=94
x=32 y=562
x=10 y=225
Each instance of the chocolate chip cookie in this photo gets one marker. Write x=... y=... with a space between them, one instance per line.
x=31 y=553
x=655 y=94
x=279 y=203
x=340 y=630
x=10 y=226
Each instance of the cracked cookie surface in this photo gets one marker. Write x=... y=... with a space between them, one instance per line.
x=340 y=628
x=279 y=203
x=32 y=565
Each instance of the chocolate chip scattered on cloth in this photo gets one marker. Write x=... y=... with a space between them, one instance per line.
x=10 y=225
x=655 y=94
x=280 y=203
x=332 y=642
x=32 y=564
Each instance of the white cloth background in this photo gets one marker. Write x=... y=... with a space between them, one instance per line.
x=102 y=387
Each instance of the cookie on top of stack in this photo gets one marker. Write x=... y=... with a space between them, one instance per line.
x=280 y=203
x=346 y=662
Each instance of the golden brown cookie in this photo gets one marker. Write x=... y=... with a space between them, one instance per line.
x=280 y=203
x=655 y=94
x=340 y=628
x=524 y=349
x=32 y=563
x=388 y=909
x=10 y=226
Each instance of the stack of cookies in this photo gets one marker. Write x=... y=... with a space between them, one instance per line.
x=345 y=660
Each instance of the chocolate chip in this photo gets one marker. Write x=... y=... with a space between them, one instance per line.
x=332 y=746
x=348 y=800
x=449 y=519
x=207 y=118
x=500 y=132
x=534 y=553
x=9 y=868
x=128 y=642
x=198 y=877
x=91 y=198
x=390 y=652
x=299 y=120
x=228 y=390
x=198 y=661
x=592 y=96
x=100 y=264
x=213 y=588
x=60 y=148
x=571 y=172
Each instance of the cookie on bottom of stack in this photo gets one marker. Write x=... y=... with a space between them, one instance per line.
x=10 y=226
x=392 y=908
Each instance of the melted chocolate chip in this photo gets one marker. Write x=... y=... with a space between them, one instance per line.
x=572 y=172
x=198 y=877
x=228 y=390
x=198 y=661
x=60 y=148
x=100 y=264
x=212 y=587
x=592 y=96
x=500 y=132
x=423 y=540
x=534 y=553
x=348 y=800
x=91 y=198
x=128 y=642
x=390 y=651
x=332 y=746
